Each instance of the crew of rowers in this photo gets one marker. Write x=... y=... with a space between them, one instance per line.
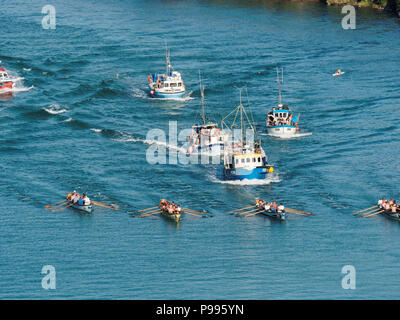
x=270 y=206
x=388 y=205
x=171 y=207
x=80 y=200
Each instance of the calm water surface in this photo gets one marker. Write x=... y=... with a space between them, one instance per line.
x=84 y=126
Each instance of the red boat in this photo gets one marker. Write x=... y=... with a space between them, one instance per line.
x=6 y=84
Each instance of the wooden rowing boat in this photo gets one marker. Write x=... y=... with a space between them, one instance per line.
x=174 y=216
x=390 y=214
x=281 y=215
x=87 y=209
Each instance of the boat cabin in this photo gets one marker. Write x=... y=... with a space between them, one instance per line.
x=3 y=74
x=243 y=161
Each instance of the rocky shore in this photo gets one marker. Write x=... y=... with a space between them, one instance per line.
x=389 y=5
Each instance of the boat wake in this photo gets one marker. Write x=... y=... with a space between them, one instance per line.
x=274 y=178
x=55 y=109
x=119 y=136
x=297 y=135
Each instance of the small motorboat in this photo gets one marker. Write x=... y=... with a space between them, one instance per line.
x=337 y=73
x=168 y=85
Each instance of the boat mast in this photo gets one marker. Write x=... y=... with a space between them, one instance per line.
x=203 y=117
x=279 y=86
x=167 y=62
x=241 y=116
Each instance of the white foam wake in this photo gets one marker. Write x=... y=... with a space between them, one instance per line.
x=55 y=109
x=274 y=178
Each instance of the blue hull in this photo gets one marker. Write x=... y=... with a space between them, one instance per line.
x=242 y=174
x=167 y=95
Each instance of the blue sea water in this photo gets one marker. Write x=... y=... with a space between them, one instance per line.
x=84 y=124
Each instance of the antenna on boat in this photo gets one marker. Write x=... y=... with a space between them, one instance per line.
x=203 y=117
x=167 y=60
x=279 y=86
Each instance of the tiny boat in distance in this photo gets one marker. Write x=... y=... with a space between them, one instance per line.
x=244 y=159
x=168 y=85
x=338 y=72
x=206 y=136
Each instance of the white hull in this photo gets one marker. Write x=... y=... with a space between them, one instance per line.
x=282 y=132
x=87 y=209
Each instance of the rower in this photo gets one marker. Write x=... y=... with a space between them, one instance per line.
x=281 y=208
x=267 y=206
x=86 y=200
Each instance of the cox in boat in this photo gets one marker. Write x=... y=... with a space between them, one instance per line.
x=281 y=122
x=168 y=85
x=244 y=157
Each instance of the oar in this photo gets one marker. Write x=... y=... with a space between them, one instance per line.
x=368 y=212
x=303 y=213
x=242 y=208
x=104 y=206
x=191 y=210
x=369 y=215
x=59 y=205
x=50 y=205
x=252 y=214
x=248 y=211
x=137 y=211
x=193 y=214
x=356 y=212
x=58 y=210
x=112 y=205
x=149 y=214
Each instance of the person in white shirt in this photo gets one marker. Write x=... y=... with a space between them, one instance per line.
x=86 y=200
x=267 y=206
x=281 y=208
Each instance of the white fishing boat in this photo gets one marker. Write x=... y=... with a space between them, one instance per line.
x=281 y=122
x=207 y=137
x=168 y=85
x=244 y=158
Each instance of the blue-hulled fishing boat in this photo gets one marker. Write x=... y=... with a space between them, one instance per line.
x=244 y=157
